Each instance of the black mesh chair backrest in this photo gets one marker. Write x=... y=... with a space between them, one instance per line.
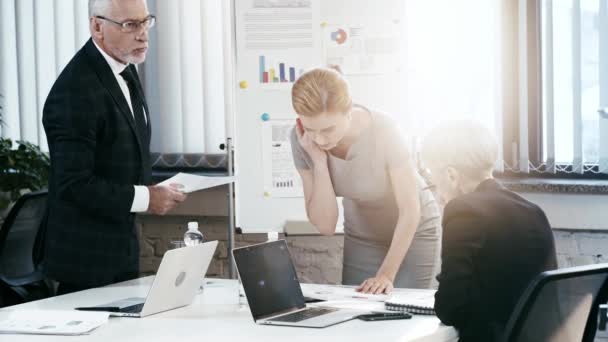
x=19 y=235
x=559 y=306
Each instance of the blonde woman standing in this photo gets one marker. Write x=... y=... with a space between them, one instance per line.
x=391 y=220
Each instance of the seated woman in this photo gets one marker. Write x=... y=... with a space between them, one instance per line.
x=391 y=221
x=494 y=241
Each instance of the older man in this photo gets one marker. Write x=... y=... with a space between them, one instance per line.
x=98 y=127
x=494 y=241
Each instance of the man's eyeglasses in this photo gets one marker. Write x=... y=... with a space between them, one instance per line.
x=130 y=26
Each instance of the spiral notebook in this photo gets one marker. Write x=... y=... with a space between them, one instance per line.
x=419 y=302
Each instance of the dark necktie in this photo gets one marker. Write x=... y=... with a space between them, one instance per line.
x=137 y=103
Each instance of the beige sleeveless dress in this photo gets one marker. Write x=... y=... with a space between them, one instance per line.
x=370 y=208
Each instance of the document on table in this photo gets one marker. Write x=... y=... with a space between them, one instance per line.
x=338 y=292
x=360 y=305
x=414 y=297
x=189 y=183
x=52 y=322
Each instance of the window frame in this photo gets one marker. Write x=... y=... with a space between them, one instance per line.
x=511 y=89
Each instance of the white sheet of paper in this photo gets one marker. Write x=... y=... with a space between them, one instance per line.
x=358 y=49
x=276 y=41
x=281 y=179
x=424 y=298
x=339 y=293
x=190 y=183
x=52 y=322
x=267 y=25
x=360 y=305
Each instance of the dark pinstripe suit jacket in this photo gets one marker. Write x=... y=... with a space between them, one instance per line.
x=96 y=158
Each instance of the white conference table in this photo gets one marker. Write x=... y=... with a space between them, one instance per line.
x=216 y=315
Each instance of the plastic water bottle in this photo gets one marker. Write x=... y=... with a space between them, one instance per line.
x=193 y=236
x=273 y=236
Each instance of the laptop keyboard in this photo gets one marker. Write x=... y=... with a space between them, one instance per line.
x=302 y=315
x=133 y=308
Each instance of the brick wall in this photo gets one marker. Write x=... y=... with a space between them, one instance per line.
x=576 y=248
x=318 y=259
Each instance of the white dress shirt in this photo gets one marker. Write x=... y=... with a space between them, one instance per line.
x=141 y=200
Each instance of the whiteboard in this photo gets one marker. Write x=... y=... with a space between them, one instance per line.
x=276 y=40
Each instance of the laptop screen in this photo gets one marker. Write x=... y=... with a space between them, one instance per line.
x=269 y=278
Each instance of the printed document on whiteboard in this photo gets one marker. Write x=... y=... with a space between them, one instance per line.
x=281 y=179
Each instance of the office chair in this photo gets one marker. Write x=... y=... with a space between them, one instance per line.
x=560 y=306
x=21 y=241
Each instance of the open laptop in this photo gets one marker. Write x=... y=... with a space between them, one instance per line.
x=273 y=290
x=177 y=281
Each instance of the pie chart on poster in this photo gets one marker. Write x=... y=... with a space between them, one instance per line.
x=339 y=36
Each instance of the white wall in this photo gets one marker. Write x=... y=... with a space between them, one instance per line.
x=573 y=211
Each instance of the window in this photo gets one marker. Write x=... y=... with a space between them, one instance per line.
x=187 y=75
x=572 y=90
x=564 y=84
x=184 y=74
x=452 y=62
x=38 y=39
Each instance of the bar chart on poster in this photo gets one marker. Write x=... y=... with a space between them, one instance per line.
x=277 y=72
x=277 y=41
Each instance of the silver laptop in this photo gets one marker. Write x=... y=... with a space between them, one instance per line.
x=177 y=281
x=273 y=290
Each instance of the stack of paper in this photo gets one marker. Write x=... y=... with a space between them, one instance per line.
x=339 y=292
x=425 y=298
x=418 y=302
x=361 y=305
x=52 y=322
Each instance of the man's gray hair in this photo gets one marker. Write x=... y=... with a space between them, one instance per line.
x=99 y=7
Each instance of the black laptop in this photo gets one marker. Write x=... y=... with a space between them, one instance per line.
x=273 y=290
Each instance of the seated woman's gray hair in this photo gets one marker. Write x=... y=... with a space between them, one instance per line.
x=465 y=145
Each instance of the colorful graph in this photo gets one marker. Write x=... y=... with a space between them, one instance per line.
x=277 y=73
x=339 y=36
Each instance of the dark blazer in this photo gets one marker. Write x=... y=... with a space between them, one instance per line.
x=494 y=243
x=96 y=158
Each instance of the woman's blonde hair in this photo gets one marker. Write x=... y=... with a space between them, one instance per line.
x=321 y=90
